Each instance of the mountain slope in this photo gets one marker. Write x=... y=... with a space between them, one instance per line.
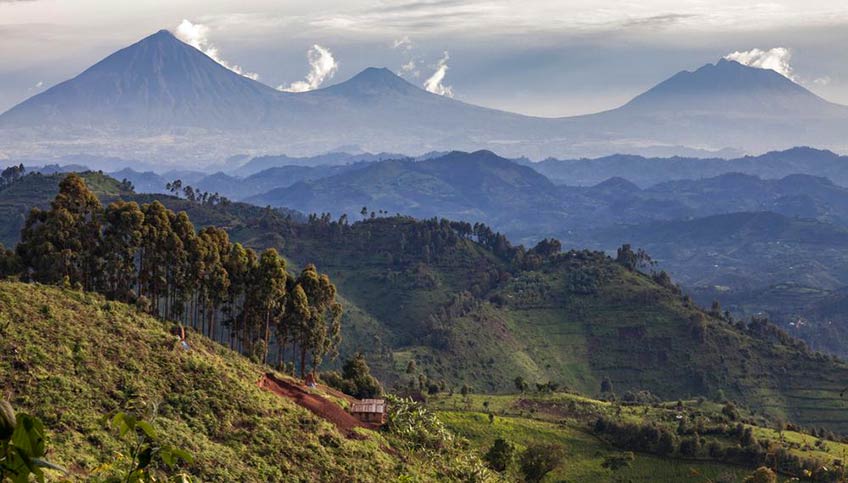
x=470 y=308
x=157 y=83
x=70 y=358
x=729 y=88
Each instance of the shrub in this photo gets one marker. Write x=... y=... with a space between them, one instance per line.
x=618 y=461
x=538 y=460
x=499 y=455
x=762 y=475
x=689 y=446
x=415 y=425
x=355 y=379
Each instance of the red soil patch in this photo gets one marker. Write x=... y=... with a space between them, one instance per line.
x=319 y=405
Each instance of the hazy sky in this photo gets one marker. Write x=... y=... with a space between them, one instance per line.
x=531 y=56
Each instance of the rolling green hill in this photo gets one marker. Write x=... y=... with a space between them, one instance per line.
x=71 y=358
x=470 y=314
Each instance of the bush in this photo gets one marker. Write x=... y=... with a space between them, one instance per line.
x=538 y=460
x=762 y=475
x=355 y=380
x=689 y=446
x=415 y=425
x=616 y=462
x=22 y=447
x=499 y=455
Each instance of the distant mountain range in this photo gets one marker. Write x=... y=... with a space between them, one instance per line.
x=515 y=198
x=163 y=101
x=650 y=171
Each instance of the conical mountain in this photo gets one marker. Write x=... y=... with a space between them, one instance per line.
x=158 y=82
x=728 y=87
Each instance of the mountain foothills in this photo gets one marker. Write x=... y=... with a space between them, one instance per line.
x=435 y=306
x=569 y=317
x=163 y=100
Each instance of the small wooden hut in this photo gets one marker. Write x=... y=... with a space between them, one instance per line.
x=369 y=410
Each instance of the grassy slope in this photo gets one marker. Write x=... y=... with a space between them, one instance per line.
x=526 y=419
x=70 y=358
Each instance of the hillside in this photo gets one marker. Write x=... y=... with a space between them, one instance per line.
x=741 y=250
x=475 y=187
x=467 y=314
x=71 y=358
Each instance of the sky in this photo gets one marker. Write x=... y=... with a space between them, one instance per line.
x=545 y=58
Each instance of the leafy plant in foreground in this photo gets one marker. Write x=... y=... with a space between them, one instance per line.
x=145 y=459
x=22 y=447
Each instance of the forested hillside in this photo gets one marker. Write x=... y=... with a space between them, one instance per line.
x=476 y=311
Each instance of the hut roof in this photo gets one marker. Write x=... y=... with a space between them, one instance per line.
x=368 y=406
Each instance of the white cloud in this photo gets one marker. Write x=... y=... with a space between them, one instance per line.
x=410 y=68
x=411 y=59
x=777 y=59
x=196 y=35
x=323 y=67
x=402 y=43
x=39 y=84
x=435 y=83
x=822 y=81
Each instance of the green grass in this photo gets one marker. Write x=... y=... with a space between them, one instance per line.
x=564 y=419
x=584 y=454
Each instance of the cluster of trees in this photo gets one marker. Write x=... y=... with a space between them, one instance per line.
x=153 y=257
x=355 y=379
x=11 y=174
x=534 y=463
x=432 y=239
x=195 y=195
x=633 y=260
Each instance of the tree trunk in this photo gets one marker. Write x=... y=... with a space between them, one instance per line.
x=267 y=335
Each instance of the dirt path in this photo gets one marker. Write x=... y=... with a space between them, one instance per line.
x=321 y=406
